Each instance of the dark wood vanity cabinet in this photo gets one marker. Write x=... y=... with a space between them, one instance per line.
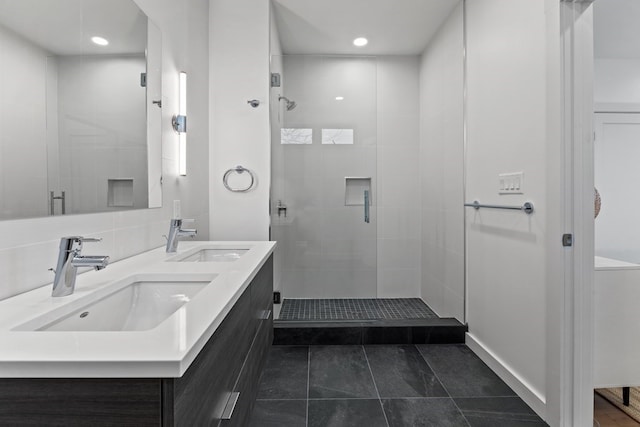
x=229 y=365
x=230 y=362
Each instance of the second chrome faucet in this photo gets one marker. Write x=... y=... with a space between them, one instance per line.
x=176 y=231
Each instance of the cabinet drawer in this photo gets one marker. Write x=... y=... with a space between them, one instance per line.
x=201 y=394
x=247 y=385
x=262 y=293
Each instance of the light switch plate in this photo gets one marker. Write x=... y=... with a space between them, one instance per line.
x=511 y=183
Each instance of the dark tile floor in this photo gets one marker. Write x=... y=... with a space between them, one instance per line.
x=355 y=309
x=384 y=385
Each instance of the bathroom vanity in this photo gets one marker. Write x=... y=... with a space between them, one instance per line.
x=154 y=340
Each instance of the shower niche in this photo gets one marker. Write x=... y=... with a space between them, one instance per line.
x=355 y=189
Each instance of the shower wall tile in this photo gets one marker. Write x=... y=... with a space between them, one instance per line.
x=398 y=129
x=395 y=159
x=349 y=253
x=302 y=253
x=346 y=222
x=325 y=283
x=17 y=267
x=398 y=253
x=398 y=282
x=398 y=168
x=441 y=155
x=398 y=83
x=141 y=237
x=398 y=222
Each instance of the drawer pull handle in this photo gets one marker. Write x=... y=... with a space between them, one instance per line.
x=231 y=405
x=266 y=314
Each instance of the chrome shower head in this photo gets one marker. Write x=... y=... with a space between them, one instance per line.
x=290 y=105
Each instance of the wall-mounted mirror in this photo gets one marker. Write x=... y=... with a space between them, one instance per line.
x=79 y=129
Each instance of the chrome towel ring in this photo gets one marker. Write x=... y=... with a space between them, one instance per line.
x=238 y=169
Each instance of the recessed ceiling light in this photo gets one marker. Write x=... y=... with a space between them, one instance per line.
x=360 y=41
x=339 y=98
x=100 y=41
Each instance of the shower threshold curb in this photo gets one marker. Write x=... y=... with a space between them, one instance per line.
x=368 y=332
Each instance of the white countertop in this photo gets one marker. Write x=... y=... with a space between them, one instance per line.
x=164 y=351
x=602 y=263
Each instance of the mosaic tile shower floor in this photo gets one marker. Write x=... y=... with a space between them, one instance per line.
x=355 y=309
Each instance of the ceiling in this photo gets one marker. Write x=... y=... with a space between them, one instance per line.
x=64 y=27
x=617 y=29
x=393 y=27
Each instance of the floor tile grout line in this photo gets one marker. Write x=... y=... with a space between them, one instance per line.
x=509 y=414
x=501 y=396
x=443 y=386
x=356 y=398
x=308 y=384
x=373 y=379
x=275 y=399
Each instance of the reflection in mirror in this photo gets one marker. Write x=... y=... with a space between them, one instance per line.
x=77 y=125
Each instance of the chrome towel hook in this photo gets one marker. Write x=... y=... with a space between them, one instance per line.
x=239 y=170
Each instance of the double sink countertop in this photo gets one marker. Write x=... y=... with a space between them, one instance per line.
x=164 y=351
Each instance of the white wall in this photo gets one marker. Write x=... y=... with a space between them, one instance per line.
x=507 y=132
x=29 y=247
x=442 y=175
x=23 y=150
x=617 y=84
x=616 y=89
x=239 y=71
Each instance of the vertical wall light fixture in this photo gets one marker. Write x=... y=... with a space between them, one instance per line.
x=179 y=122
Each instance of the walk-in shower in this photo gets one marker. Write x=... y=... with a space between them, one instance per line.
x=325 y=172
x=324 y=159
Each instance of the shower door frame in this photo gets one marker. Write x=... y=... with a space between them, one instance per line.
x=366 y=166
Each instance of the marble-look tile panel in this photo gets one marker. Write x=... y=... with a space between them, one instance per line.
x=430 y=412
x=339 y=372
x=341 y=413
x=462 y=373
x=498 y=412
x=279 y=413
x=285 y=373
x=400 y=371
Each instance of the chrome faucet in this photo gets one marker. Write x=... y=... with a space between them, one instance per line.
x=69 y=259
x=175 y=231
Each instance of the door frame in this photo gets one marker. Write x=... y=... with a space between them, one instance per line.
x=570 y=346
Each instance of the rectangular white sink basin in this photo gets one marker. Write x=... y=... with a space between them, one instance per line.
x=137 y=304
x=212 y=255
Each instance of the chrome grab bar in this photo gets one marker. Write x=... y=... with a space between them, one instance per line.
x=527 y=207
x=366 y=206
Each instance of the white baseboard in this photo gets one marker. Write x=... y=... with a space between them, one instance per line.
x=521 y=387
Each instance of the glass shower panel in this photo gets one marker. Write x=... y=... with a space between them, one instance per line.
x=323 y=162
